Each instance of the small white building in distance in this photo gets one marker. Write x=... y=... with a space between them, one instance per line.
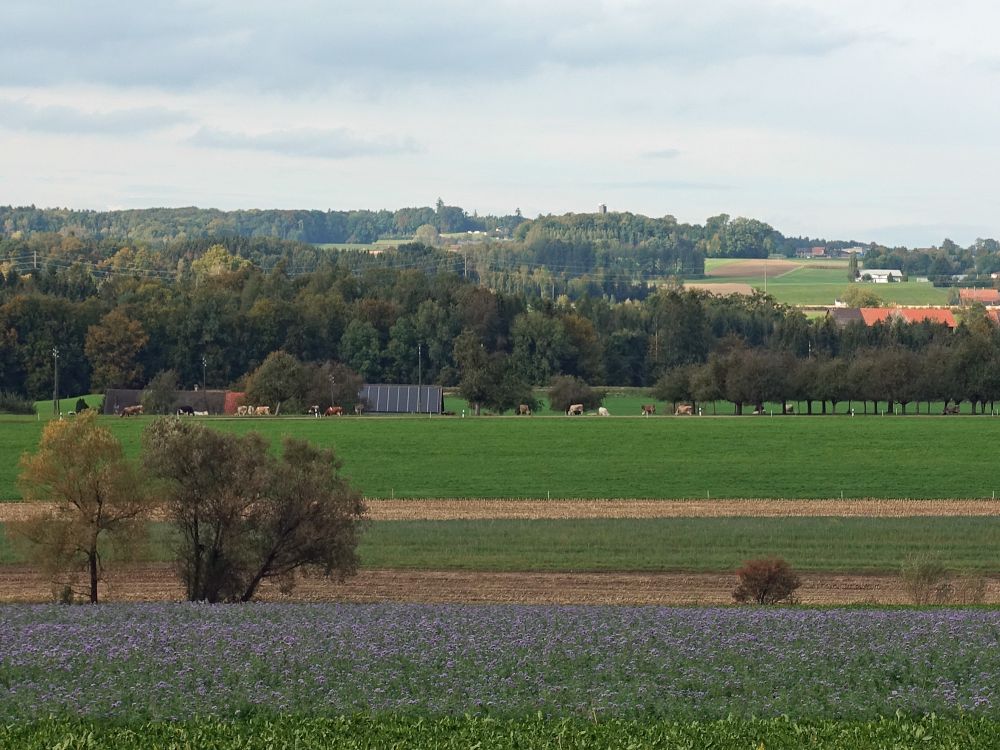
x=880 y=275
x=602 y=208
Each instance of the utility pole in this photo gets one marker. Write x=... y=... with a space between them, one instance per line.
x=420 y=374
x=55 y=380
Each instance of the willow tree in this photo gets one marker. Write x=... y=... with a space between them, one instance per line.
x=89 y=500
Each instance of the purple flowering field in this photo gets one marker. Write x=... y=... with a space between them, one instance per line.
x=164 y=661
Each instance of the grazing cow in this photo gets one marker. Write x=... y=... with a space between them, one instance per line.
x=262 y=411
x=602 y=412
x=313 y=410
x=648 y=409
x=132 y=411
x=950 y=409
x=242 y=411
x=758 y=411
x=790 y=409
x=334 y=411
x=185 y=410
x=684 y=409
x=524 y=409
x=575 y=410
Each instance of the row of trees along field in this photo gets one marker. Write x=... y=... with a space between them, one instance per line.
x=221 y=319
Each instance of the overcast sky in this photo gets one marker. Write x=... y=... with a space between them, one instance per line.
x=850 y=119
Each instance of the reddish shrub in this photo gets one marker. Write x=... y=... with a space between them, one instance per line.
x=768 y=580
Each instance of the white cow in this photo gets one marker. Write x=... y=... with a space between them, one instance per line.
x=602 y=412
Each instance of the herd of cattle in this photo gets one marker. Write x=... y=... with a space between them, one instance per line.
x=574 y=410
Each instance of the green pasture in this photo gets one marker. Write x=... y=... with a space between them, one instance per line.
x=812 y=544
x=377 y=245
x=591 y=457
x=817 y=283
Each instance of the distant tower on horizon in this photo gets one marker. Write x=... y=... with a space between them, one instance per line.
x=602 y=208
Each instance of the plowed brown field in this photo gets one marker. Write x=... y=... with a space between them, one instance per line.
x=156 y=582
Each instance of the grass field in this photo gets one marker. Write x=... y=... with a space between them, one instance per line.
x=813 y=282
x=590 y=457
x=841 y=545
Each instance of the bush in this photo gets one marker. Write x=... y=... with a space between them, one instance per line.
x=768 y=580
x=925 y=579
x=566 y=390
x=15 y=403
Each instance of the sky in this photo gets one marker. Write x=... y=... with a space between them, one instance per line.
x=873 y=121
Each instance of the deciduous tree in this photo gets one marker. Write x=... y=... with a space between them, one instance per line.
x=245 y=516
x=92 y=493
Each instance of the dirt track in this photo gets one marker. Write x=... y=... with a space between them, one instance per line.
x=156 y=582
x=441 y=510
x=473 y=509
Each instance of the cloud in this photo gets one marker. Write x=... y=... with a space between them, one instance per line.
x=305 y=44
x=21 y=115
x=663 y=153
x=664 y=184
x=324 y=144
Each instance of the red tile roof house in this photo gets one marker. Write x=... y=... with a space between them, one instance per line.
x=873 y=315
x=986 y=296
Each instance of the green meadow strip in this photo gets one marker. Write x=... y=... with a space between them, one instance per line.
x=870 y=545
x=688 y=544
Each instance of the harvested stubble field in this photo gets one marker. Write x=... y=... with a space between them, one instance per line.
x=471 y=509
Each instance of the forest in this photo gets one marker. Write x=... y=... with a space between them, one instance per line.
x=221 y=317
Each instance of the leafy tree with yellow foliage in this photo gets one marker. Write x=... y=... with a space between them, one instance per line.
x=90 y=495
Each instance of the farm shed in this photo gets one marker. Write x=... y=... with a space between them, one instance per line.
x=402 y=399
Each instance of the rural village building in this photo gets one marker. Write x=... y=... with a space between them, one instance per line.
x=985 y=296
x=881 y=275
x=843 y=316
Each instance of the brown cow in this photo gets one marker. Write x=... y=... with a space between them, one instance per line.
x=262 y=411
x=334 y=411
x=132 y=411
x=648 y=409
x=684 y=409
x=575 y=410
x=524 y=409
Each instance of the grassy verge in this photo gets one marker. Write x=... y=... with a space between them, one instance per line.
x=364 y=731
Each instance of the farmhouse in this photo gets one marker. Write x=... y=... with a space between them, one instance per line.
x=984 y=296
x=881 y=275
